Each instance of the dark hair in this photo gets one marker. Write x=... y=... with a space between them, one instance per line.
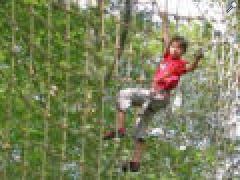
x=182 y=41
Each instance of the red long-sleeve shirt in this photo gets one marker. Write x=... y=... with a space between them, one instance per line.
x=175 y=67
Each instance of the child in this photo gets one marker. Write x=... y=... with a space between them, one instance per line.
x=166 y=78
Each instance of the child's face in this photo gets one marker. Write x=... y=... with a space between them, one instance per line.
x=175 y=49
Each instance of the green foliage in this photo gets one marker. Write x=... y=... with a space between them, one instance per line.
x=33 y=114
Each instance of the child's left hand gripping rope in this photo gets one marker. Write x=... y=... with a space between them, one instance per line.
x=199 y=54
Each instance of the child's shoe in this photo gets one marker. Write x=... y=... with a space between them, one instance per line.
x=112 y=134
x=131 y=166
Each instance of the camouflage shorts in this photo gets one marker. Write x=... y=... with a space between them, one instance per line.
x=149 y=106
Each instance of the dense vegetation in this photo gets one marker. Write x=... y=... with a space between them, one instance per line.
x=55 y=103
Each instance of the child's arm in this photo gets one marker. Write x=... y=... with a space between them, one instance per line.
x=189 y=68
x=198 y=57
x=153 y=84
x=165 y=30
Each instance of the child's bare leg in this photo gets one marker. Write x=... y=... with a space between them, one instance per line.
x=138 y=150
x=120 y=119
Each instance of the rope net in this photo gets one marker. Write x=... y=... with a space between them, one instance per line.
x=62 y=64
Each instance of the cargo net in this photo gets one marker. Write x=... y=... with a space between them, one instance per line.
x=63 y=62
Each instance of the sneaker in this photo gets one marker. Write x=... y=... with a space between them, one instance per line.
x=112 y=134
x=131 y=166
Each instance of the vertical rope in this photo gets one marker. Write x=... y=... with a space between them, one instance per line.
x=83 y=131
x=48 y=105
x=25 y=142
x=101 y=124
x=117 y=43
x=129 y=62
x=26 y=134
x=87 y=99
x=82 y=157
x=142 y=52
x=118 y=46
x=231 y=86
x=87 y=44
x=84 y=116
x=219 y=63
x=222 y=88
x=102 y=89
x=237 y=84
x=177 y=18
x=6 y=137
x=167 y=111
x=65 y=103
x=217 y=82
x=214 y=56
x=102 y=24
x=25 y=163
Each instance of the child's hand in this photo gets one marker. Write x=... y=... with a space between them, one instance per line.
x=199 y=54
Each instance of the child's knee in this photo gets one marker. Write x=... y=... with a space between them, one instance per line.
x=140 y=139
x=140 y=132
